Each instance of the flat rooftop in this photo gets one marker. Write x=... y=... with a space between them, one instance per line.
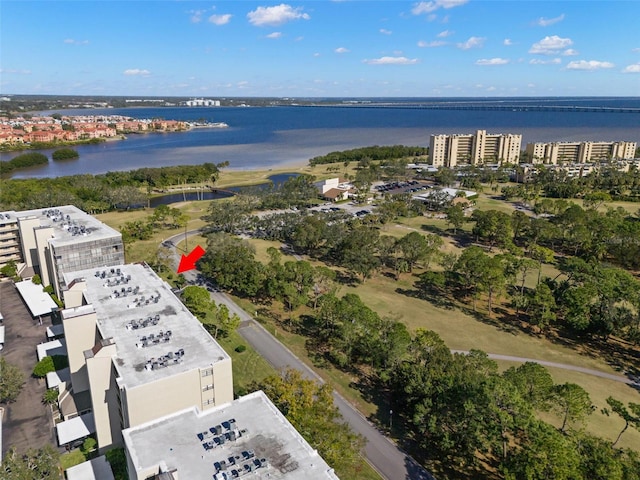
x=265 y=446
x=7 y=216
x=147 y=322
x=71 y=225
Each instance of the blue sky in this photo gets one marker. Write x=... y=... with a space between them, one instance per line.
x=359 y=48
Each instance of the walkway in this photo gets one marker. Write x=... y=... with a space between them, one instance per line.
x=563 y=366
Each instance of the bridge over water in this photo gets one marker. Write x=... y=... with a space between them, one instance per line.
x=490 y=107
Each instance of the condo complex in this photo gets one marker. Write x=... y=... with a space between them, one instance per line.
x=482 y=147
x=143 y=372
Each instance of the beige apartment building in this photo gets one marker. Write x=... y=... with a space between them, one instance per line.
x=579 y=152
x=453 y=150
x=56 y=240
x=247 y=438
x=9 y=239
x=136 y=352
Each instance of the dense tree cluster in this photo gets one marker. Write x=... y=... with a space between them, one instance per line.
x=100 y=193
x=309 y=407
x=163 y=217
x=216 y=318
x=373 y=153
x=65 y=154
x=22 y=161
x=619 y=185
x=41 y=464
x=11 y=381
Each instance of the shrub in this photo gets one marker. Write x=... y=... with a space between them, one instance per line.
x=241 y=348
x=88 y=446
x=43 y=367
x=36 y=280
x=50 y=396
x=50 y=364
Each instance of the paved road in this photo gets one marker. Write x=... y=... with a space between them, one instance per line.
x=563 y=366
x=383 y=455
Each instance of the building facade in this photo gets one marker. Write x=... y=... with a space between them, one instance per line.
x=9 y=239
x=453 y=150
x=579 y=152
x=53 y=241
x=137 y=351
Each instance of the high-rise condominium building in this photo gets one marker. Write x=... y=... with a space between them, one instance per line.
x=579 y=152
x=136 y=352
x=481 y=147
x=56 y=240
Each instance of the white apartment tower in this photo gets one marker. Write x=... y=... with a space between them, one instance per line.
x=452 y=150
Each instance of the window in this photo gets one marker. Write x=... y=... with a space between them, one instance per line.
x=207 y=372
x=207 y=388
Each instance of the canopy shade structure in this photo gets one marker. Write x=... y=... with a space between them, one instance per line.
x=76 y=428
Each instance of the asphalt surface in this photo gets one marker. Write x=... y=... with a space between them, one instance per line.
x=382 y=454
x=27 y=423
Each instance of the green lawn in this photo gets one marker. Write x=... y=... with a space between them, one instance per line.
x=599 y=389
x=71 y=459
x=248 y=367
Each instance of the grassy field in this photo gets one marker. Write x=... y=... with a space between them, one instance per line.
x=459 y=328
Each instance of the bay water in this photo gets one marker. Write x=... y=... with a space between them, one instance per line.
x=260 y=138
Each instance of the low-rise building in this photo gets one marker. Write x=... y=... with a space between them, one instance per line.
x=334 y=189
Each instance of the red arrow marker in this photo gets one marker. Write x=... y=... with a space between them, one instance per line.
x=189 y=262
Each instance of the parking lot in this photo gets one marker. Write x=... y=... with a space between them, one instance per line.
x=27 y=423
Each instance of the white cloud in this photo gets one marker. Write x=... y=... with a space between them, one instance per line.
x=545 y=22
x=636 y=50
x=538 y=61
x=634 y=68
x=553 y=45
x=507 y=42
x=341 y=50
x=391 y=61
x=71 y=41
x=445 y=34
x=196 y=15
x=220 y=19
x=385 y=31
x=492 y=61
x=589 y=65
x=276 y=15
x=570 y=52
x=274 y=35
x=435 y=43
x=14 y=72
x=473 y=42
x=136 y=71
x=428 y=7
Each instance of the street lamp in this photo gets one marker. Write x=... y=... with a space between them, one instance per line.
x=390 y=419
